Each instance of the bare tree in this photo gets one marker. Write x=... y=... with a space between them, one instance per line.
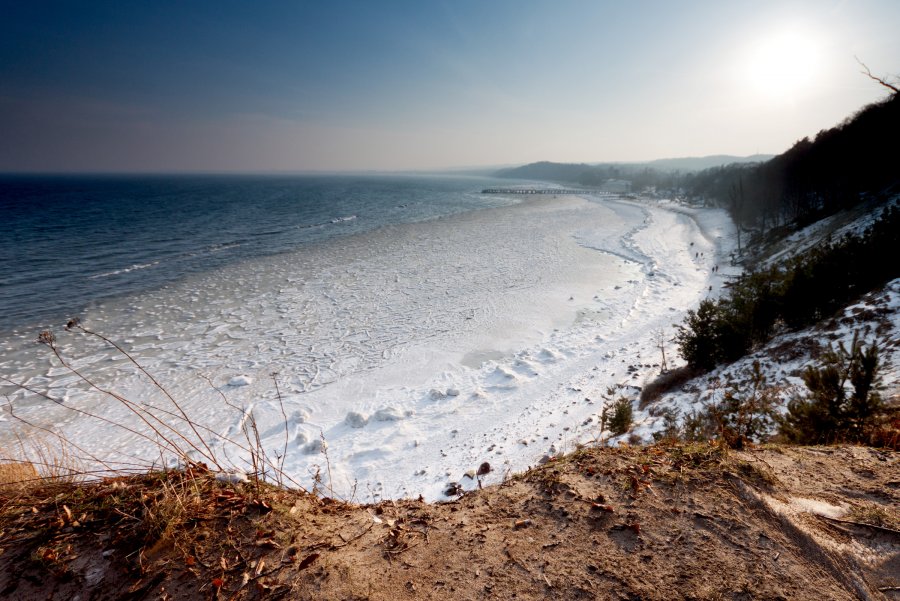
x=659 y=338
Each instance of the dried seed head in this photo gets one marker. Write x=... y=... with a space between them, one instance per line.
x=73 y=322
x=47 y=337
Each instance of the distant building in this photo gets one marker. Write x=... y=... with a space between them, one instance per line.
x=616 y=186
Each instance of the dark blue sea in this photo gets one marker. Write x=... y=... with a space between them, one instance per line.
x=70 y=241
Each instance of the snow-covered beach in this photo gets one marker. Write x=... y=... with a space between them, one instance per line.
x=416 y=352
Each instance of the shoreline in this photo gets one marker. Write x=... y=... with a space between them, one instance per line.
x=510 y=411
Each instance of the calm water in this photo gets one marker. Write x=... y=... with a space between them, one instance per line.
x=72 y=241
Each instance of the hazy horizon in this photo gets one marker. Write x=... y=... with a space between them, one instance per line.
x=453 y=169
x=355 y=87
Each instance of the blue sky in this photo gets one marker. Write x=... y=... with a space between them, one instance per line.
x=275 y=86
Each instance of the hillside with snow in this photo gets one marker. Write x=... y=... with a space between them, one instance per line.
x=871 y=320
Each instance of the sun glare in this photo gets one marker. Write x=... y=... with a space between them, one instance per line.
x=783 y=65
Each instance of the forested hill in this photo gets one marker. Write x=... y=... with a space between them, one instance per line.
x=661 y=172
x=839 y=167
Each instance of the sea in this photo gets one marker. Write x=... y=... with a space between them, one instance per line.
x=71 y=242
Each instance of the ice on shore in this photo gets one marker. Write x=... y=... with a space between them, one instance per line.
x=412 y=354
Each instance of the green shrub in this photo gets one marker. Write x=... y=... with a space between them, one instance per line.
x=620 y=420
x=746 y=415
x=806 y=289
x=843 y=403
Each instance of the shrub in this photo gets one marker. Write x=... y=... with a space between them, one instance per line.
x=843 y=403
x=746 y=415
x=698 y=426
x=698 y=336
x=620 y=420
x=806 y=289
x=670 y=430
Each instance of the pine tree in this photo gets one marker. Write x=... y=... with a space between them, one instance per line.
x=843 y=402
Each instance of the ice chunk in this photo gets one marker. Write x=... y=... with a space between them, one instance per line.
x=317 y=445
x=387 y=414
x=355 y=420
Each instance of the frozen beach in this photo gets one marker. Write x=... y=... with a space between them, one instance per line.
x=410 y=354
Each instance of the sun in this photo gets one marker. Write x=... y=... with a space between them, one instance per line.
x=783 y=65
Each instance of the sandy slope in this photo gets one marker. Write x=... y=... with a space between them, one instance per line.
x=628 y=523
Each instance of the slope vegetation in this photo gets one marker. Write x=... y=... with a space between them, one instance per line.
x=658 y=522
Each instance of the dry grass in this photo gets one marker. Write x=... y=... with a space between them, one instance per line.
x=874 y=515
x=665 y=382
x=166 y=425
x=49 y=457
x=133 y=526
x=17 y=474
x=193 y=533
x=656 y=522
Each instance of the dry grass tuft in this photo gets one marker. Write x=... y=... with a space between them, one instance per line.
x=17 y=474
x=664 y=383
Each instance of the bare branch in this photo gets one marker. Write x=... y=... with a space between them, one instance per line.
x=883 y=82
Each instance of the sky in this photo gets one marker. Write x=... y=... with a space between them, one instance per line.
x=228 y=86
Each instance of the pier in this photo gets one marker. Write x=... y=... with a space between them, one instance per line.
x=561 y=191
x=554 y=191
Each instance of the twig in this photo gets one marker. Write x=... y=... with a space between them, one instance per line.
x=75 y=324
x=88 y=413
x=57 y=434
x=881 y=81
x=249 y=449
x=280 y=471
x=516 y=561
x=48 y=339
x=865 y=525
x=327 y=463
x=347 y=542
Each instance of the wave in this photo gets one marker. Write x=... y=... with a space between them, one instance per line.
x=123 y=270
x=214 y=248
x=335 y=221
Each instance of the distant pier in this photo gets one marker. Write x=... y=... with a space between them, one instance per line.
x=554 y=191
x=534 y=191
